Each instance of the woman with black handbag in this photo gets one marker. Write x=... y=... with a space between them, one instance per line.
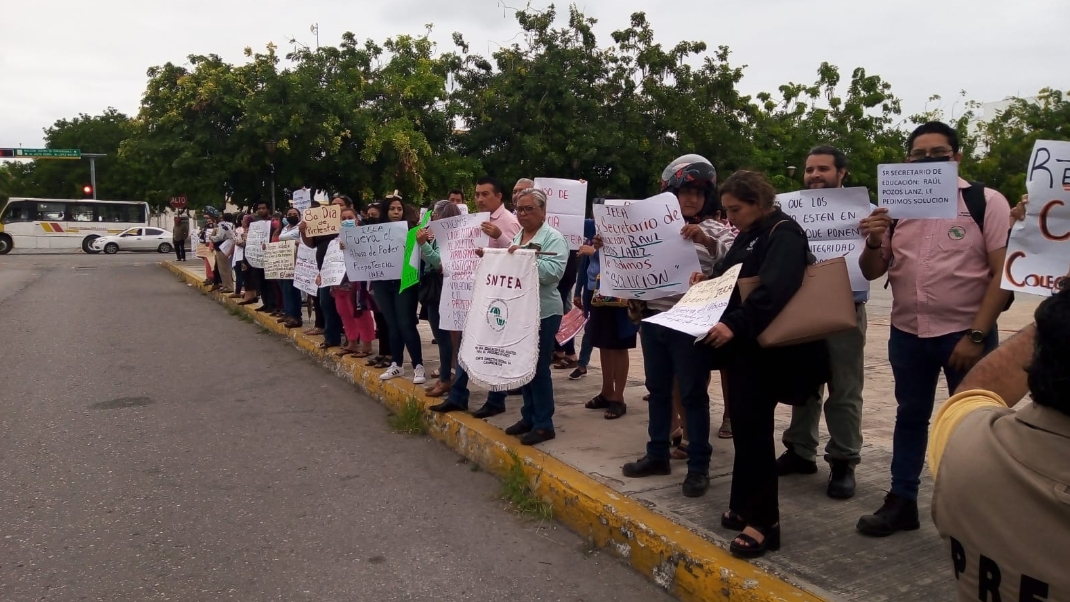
x=773 y=247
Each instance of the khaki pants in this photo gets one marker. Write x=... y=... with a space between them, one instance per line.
x=226 y=274
x=843 y=409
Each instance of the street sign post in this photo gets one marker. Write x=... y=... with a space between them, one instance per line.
x=40 y=153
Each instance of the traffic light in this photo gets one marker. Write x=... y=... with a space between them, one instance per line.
x=87 y=191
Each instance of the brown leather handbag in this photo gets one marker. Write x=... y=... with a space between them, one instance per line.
x=824 y=305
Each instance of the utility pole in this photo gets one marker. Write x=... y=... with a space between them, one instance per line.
x=93 y=169
x=315 y=29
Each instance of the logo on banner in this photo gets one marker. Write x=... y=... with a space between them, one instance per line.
x=497 y=315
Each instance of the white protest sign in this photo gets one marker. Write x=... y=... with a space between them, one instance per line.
x=375 y=252
x=919 y=190
x=302 y=199
x=334 y=265
x=643 y=254
x=570 y=226
x=701 y=307
x=305 y=270
x=830 y=217
x=1038 y=254
x=564 y=197
x=322 y=221
x=258 y=236
x=279 y=260
x=457 y=239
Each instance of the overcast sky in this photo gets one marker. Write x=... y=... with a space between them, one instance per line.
x=59 y=58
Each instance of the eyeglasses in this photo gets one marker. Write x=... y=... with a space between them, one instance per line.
x=936 y=153
x=525 y=209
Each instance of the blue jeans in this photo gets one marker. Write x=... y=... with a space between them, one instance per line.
x=916 y=365
x=445 y=343
x=587 y=344
x=399 y=310
x=538 y=408
x=670 y=356
x=332 y=322
x=291 y=299
x=459 y=391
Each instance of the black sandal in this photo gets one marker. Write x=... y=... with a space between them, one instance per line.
x=733 y=521
x=615 y=410
x=375 y=359
x=751 y=548
x=597 y=403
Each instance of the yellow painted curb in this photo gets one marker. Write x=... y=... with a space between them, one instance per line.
x=674 y=557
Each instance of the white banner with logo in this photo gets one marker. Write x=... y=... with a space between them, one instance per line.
x=500 y=345
x=831 y=218
x=457 y=239
x=1038 y=254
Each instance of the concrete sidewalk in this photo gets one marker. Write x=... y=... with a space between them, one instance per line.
x=580 y=472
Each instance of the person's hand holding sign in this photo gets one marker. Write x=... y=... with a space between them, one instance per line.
x=719 y=335
x=423 y=236
x=697 y=277
x=494 y=232
x=695 y=234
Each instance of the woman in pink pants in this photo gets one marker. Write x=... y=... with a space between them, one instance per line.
x=351 y=302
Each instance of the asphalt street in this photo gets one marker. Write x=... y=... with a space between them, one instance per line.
x=154 y=447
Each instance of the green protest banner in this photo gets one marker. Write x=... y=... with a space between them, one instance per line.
x=410 y=271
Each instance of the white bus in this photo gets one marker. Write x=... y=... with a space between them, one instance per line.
x=65 y=223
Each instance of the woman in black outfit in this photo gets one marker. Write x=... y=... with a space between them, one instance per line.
x=773 y=247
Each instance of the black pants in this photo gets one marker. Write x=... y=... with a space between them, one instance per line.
x=268 y=294
x=321 y=322
x=180 y=250
x=382 y=333
x=751 y=406
x=217 y=278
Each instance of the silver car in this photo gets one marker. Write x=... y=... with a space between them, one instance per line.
x=135 y=239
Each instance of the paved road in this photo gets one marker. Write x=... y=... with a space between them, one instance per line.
x=153 y=447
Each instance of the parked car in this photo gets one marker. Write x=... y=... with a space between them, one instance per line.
x=135 y=239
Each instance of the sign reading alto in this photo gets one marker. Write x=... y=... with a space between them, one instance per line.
x=1038 y=253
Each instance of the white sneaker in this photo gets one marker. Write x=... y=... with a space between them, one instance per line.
x=418 y=377
x=393 y=371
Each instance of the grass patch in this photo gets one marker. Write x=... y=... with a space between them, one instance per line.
x=241 y=315
x=410 y=419
x=516 y=491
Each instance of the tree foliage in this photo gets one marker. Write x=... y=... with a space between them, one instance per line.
x=366 y=118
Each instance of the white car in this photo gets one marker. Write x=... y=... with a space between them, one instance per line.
x=135 y=239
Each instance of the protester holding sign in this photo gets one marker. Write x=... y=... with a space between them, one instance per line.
x=357 y=323
x=332 y=322
x=772 y=246
x=536 y=415
x=291 y=296
x=946 y=297
x=671 y=356
x=430 y=292
x=500 y=228
x=399 y=307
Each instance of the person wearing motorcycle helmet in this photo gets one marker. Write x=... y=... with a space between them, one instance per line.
x=671 y=357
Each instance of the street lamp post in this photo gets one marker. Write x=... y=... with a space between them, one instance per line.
x=271 y=145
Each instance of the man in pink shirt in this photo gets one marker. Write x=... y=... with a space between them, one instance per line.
x=946 y=296
x=501 y=229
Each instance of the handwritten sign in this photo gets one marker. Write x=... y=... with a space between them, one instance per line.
x=258 y=236
x=302 y=199
x=322 y=221
x=305 y=270
x=564 y=197
x=1038 y=254
x=571 y=325
x=457 y=239
x=334 y=265
x=643 y=254
x=279 y=260
x=374 y=252
x=570 y=226
x=830 y=217
x=919 y=190
x=702 y=307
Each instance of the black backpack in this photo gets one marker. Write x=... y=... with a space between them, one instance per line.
x=974 y=198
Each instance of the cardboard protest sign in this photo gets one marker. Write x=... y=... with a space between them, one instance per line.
x=305 y=270
x=374 y=252
x=701 y=307
x=322 y=221
x=643 y=254
x=334 y=265
x=256 y=239
x=830 y=217
x=302 y=199
x=919 y=190
x=279 y=260
x=457 y=239
x=1038 y=253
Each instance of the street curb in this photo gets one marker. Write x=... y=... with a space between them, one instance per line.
x=686 y=565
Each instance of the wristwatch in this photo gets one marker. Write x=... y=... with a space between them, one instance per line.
x=976 y=336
